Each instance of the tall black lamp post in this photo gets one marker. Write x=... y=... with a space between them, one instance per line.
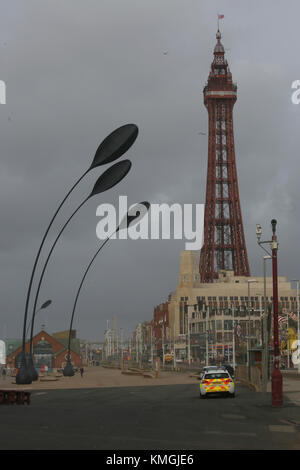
x=129 y=220
x=276 y=379
x=113 y=147
x=107 y=180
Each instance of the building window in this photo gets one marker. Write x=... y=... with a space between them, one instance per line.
x=43 y=354
x=228 y=336
x=219 y=337
x=227 y=324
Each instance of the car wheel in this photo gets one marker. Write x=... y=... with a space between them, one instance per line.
x=232 y=395
x=202 y=396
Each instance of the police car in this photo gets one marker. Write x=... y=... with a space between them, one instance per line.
x=216 y=381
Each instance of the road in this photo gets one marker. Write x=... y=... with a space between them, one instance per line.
x=168 y=417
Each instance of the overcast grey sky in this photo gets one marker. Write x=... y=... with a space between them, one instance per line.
x=76 y=70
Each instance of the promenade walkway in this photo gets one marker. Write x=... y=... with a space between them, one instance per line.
x=99 y=377
x=95 y=377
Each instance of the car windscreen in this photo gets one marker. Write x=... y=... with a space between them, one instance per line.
x=220 y=375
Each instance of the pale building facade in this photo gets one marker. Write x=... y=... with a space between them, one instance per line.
x=228 y=310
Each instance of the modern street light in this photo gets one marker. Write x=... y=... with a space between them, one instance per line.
x=122 y=349
x=233 y=337
x=206 y=335
x=298 y=316
x=151 y=339
x=174 y=343
x=265 y=342
x=163 y=343
x=112 y=147
x=250 y=281
x=287 y=340
x=132 y=217
x=259 y=295
x=276 y=374
x=106 y=181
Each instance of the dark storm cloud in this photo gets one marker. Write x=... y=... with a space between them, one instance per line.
x=75 y=71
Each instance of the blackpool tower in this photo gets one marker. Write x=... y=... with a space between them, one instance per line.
x=224 y=246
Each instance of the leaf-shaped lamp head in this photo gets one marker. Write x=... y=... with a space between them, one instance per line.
x=112 y=176
x=115 y=145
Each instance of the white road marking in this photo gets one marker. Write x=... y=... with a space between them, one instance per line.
x=281 y=428
x=251 y=434
x=233 y=416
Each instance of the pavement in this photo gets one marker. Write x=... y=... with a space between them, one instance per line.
x=291 y=386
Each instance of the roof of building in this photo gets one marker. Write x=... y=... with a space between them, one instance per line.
x=13 y=344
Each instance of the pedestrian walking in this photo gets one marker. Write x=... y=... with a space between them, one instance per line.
x=3 y=373
x=81 y=371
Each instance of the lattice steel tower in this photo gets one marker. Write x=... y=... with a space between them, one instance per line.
x=224 y=241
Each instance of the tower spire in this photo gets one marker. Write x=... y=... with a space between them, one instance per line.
x=224 y=245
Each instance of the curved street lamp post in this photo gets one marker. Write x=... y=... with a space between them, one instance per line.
x=129 y=220
x=107 y=180
x=112 y=147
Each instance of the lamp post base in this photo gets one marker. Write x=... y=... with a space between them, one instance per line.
x=68 y=370
x=276 y=388
x=23 y=377
x=32 y=370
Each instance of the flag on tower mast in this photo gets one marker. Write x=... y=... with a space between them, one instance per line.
x=220 y=17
